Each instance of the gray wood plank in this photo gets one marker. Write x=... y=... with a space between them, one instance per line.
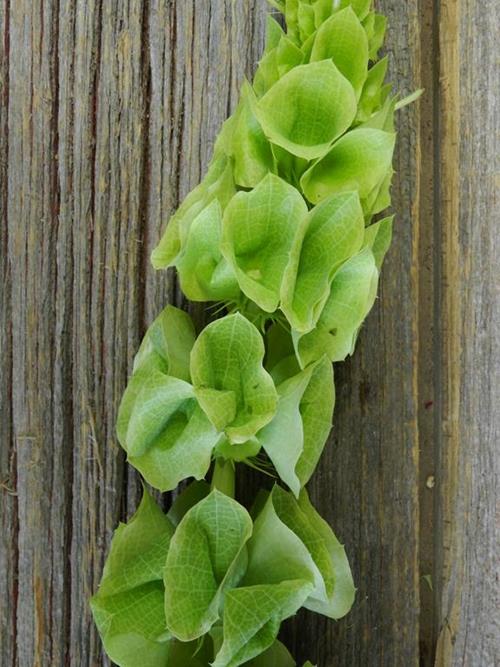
x=467 y=534
x=39 y=301
x=8 y=498
x=110 y=128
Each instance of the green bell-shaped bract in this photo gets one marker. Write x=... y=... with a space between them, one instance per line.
x=307 y=109
x=243 y=140
x=343 y=39
x=295 y=437
x=334 y=233
x=262 y=230
x=231 y=385
x=352 y=295
x=206 y=556
x=128 y=608
x=294 y=559
x=160 y=425
x=217 y=184
x=359 y=161
x=204 y=273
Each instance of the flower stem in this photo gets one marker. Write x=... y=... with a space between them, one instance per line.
x=223 y=477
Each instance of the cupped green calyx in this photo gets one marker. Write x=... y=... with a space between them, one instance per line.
x=378 y=237
x=334 y=233
x=360 y=7
x=128 y=608
x=358 y=161
x=291 y=540
x=375 y=26
x=374 y=92
x=184 y=449
x=334 y=595
x=152 y=400
x=230 y=383
x=307 y=109
x=247 y=144
x=294 y=560
x=204 y=273
x=217 y=184
x=160 y=425
x=343 y=39
x=252 y=618
x=262 y=230
x=281 y=57
x=167 y=344
x=295 y=437
x=352 y=295
x=206 y=557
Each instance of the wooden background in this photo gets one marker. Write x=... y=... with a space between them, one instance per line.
x=108 y=114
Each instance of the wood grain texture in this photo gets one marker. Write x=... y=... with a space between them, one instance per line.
x=108 y=114
x=467 y=537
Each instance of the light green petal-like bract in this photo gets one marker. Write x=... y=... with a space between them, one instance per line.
x=307 y=109
x=252 y=618
x=279 y=577
x=295 y=438
x=294 y=559
x=262 y=231
x=375 y=26
x=343 y=39
x=204 y=273
x=334 y=233
x=372 y=95
x=160 y=425
x=335 y=596
x=249 y=147
x=358 y=161
x=128 y=607
x=164 y=431
x=183 y=449
x=378 y=237
x=152 y=399
x=351 y=297
x=206 y=557
x=280 y=59
x=361 y=7
x=316 y=409
x=341 y=596
x=231 y=385
x=167 y=344
x=217 y=184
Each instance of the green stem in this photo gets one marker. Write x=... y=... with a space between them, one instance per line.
x=223 y=477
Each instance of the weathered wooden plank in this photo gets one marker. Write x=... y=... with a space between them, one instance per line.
x=110 y=88
x=39 y=343
x=8 y=499
x=428 y=394
x=467 y=537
